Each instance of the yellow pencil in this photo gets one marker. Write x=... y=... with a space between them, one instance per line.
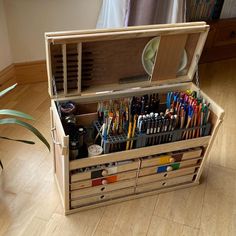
x=133 y=131
x=129 y=135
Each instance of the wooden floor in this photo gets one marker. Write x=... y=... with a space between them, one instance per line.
x=30 y=204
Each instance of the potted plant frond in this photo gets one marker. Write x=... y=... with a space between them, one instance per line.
x=18 y=114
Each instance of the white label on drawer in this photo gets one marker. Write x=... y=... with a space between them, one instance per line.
x=112 y=170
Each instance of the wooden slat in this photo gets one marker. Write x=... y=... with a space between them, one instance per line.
x=64 y=58
x=59 y=172
x=79 y=58
x=58 y=131
x=130 y=28
x=108 y=92
x=169 y=56
x=106 y=36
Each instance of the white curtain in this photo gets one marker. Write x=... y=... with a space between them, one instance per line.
x=113 y=14
x=120 y=13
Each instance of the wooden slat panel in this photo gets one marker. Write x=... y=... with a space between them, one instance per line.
x=168 y=57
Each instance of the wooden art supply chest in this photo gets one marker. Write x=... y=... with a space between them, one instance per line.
x=86 y=68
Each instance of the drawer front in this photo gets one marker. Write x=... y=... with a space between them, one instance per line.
x=164 y=183
x=167 y=175
x=103 y=181
x=226 y=34
x=168 y=168
x=101 y=197
x=94 y=174
x=172 y=157
x=102 y=188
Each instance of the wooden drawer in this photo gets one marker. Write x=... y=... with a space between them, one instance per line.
x=164 y=183
x=101 y=197
x=166 y=175
x=226 y=34
x=168 y=168
x=103 y=172
x=103 y=181
x=103 y=188
x=172 y=157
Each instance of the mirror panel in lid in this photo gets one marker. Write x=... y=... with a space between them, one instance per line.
x=85 y=62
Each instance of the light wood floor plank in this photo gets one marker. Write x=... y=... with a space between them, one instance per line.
x=164 y=227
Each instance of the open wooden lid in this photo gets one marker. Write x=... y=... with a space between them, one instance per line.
x=100 y=61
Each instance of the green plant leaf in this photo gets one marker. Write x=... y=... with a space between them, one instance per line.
x=7 y=90
x=17 y=140
x=27 y=126
x=15 y=113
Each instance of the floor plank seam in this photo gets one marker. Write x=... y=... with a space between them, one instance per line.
x=153 y=213
x=96 y=226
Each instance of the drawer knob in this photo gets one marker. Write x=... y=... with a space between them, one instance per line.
x=103 y=188
x=104 y=181
x=104 y=173
x=102 y=197
x=232 y=34
x=169 y=168
x=164 y=184
x=172 y=159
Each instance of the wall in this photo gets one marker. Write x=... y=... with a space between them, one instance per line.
x=28 y=20
x=229 y=9
x=5 y=52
